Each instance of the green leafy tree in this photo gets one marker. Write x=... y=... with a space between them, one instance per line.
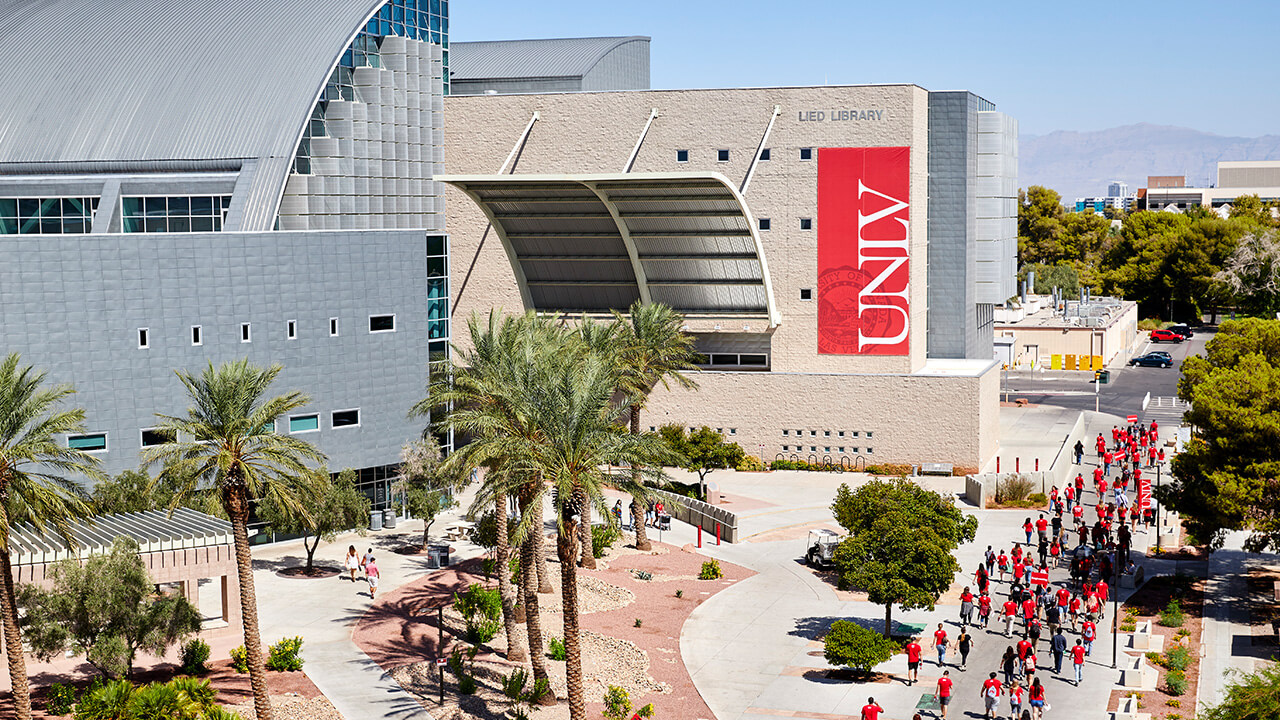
x=427 y=483
x=1251 y=696
x=34 y=490
x=1063 y=275
x=1254 y=210
x=333 y=505
x=103 y=609
x=1225 y=479
x=702 y=451
x=227 y=441
x=652 y=349
x=135 y=491
x=851 y=645
x=900 y=544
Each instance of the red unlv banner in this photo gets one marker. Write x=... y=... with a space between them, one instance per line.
x=863 y=252
x=1144 y=494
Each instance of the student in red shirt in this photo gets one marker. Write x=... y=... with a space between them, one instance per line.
x=913 y=661
x=1077 y=659
x=940 y=644
x=1089 y=632
x=990 y=694
x=871 y=711
x=1002 y=561
x=1027 y=528
x=1074 y=608
x=1010 y=612
x=943 y=692
x=1042 y=527
x=1108 y=458
x=1036 y=695
x=1069 y=493
x=1024 y=649
x=984 y=609
x=1029 y=608
x=1078 y=513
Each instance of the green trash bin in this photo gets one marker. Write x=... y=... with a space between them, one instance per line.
x=1103 y=376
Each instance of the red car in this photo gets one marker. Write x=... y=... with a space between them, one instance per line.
x=1166 y=336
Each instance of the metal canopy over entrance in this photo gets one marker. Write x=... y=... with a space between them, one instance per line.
x=592 y=243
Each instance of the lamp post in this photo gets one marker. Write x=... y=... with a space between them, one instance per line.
x=1115 y=611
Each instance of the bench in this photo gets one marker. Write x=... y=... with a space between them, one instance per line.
x=936 y=468
x=1144 y=640
x=1136 y=673
x=1128 y=710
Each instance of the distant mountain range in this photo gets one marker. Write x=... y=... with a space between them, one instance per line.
x=1081 y=164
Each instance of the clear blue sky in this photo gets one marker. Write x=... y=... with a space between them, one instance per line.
x=1081 y=65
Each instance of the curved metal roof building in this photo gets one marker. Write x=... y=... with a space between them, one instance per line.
x=553 y=65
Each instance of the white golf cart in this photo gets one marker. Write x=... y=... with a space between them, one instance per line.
x=820 y=548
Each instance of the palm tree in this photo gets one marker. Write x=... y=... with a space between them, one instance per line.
x=33 y=491
x=227 y=441
x=579 y=438
x=652 y=349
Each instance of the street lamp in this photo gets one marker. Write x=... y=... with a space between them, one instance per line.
x=1115 y=611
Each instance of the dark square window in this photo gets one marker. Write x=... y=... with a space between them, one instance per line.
x=806 y=293
x=764 y=154
x=806 y=223
x=764 y=223
x=682 y=156
x=722 y=156
x=806 y=153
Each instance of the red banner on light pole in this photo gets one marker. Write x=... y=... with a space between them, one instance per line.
x=1144 y=493
x=1040 y=577
x=1131 y=418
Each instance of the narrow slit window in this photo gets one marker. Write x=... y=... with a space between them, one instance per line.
x=245 y=333
x=292 y=329
x=196 y=336
x=333 y=327
x=144 y=338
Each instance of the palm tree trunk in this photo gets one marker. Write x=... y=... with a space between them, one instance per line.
x=515 y=651
x=12 y=635
x=533 y=620
x=637 y=511
x=237 y=503
x=540 y=558
x=569 y=601
x=584 y=530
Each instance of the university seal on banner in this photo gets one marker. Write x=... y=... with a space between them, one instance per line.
x=838 y=321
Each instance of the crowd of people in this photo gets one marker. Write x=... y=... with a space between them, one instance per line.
x=1043 y=618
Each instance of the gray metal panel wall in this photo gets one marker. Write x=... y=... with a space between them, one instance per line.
x=953 y=169
x=997 y=183
x=74 y=304
x=626 y=67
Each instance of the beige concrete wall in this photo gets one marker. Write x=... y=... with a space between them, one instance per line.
x=595 y=132
x=911 y=418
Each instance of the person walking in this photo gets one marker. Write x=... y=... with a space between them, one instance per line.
x=371 y=572
x=940 y=644
x=966 y=608
x=1079 y=448
x=1024 y=649
x=1042 y=528
x=1058 y=645
x=1028 y=528
x=984 y=609
x=617 y=513
x=989 y=558
x=1009 y=664
x=913 y=661
x=943 y=692
x=964 y=643
x=990 y=694
x=1089 y=633
x=1035 y=694
x=1010 y=613
x=1002 y=563
x=1077 y=660
x=352 y=561
x=872 y=710
x=648 y=514
x=1016 y=695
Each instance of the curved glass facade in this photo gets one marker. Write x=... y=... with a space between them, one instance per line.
x=423 y=20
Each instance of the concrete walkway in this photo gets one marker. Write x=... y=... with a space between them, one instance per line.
x=1227 y=636
x=324 y=612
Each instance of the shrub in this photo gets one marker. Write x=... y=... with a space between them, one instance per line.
x=557 y=651
x=1149 y=324
x=1175 y=682
x=1156 y=658
x=856 y=647
x=603 y=537
x=285 y=655
x=467 y=684
x=711 y=570
x=638 y=623
x=646 y=711
x=1038 y=499
x=644 y=575
x=1177 y=658
x=488 y=565
x=61 y=699
x=1128 y=626
x=482 y=609
x=1014 y=488
x=617 y=704
x=679 y=593
x=1173 y=702
x=750 y=463
x=963 y=470
x=195 y=653
x=1172 y=615
x=239 y=659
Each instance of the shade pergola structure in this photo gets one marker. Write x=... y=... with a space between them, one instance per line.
x=179 y=549
x=594 y=243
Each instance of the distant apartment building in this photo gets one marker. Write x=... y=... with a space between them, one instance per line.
x=1118 y=189
x=1235 y=178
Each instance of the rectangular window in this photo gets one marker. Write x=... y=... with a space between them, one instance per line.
x=869 y=433
x=144 y=339
x=733 y=431
x=245 y=335
x=346 y=418
x=869 y=450
x=806 y=293
x=304 y=423
x=293 y=329
x=806 y=223
x=826 y=433
x=806 y=153
x=268 y=427
x=157 y=436
x=196 y=338
x=682 y=156
x=764 y=154
x=97 y=442
x=333 y=327
x=181 y=213
x=722 y=156
x=764 y=223
x=46 y=216
x=382 y=323
x=841 y=449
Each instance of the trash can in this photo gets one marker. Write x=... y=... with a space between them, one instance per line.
x=437 y=556
x=1103 y=376
x=375 y=520
x=388 y=518
x=664 y=522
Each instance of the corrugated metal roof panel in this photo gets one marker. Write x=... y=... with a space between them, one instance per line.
x=144 y=80
x=557 y=57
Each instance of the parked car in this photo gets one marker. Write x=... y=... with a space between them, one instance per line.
x=1155 y=359
x=1166 y=336
x=1182 y=330
x=1162 y=354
